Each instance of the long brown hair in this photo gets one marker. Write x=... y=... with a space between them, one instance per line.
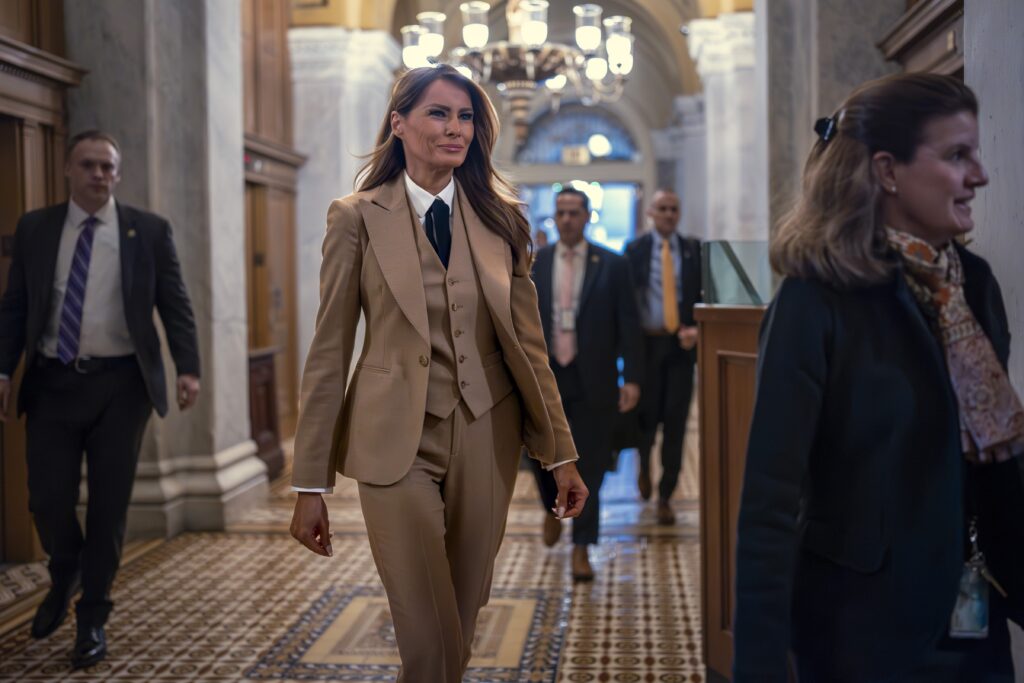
x=836 y=232
x=493 y=198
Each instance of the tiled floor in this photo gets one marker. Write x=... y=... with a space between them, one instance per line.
x=249 y=604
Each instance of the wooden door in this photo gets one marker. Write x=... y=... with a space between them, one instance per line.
x=727 y=359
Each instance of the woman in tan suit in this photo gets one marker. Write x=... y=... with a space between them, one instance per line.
x=453 y=378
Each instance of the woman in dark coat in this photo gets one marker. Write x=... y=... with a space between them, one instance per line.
x=885 y=426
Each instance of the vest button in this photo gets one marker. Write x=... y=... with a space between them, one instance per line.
x=458 y=333
x=462 y=359
x=452 y=281
x=455 y=307
x=424 y=361
x=463 y=384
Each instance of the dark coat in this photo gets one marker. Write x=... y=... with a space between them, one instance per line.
x=851 y=527
x=607 y=322
x=150 y=278
x=639 y=254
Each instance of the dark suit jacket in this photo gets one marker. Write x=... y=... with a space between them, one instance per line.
x=851 y=527
x=607 y=323
x=150 y=277
x=639 y=254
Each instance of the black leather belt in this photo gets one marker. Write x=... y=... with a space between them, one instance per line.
x=85 y=365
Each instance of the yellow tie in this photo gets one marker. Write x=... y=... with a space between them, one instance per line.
x=669 y=305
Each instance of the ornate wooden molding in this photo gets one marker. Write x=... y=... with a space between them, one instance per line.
x=916 y=23
x=30 y=63
x=271 y=163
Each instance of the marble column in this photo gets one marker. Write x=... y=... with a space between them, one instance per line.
x=996 y=75
x=680 y=148
x=810 y=55
x=166 y=79
x=341 y=83
x=723 y=49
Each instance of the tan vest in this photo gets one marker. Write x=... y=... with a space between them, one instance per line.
x=465 y=356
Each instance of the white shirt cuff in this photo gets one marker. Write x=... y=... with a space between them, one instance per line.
x=557 y=464
x=300 y=489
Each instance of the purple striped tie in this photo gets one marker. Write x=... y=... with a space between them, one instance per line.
x=74 y=294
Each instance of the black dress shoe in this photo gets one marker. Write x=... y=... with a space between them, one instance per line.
x=51 y=612
x=90 y=647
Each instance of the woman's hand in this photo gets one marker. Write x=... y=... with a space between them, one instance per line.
x=572 y=492
x=309 y=524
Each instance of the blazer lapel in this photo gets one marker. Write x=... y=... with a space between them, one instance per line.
x=543 y=278
x=127 y=241
x=50 y=230
x=590 y=270
x=50 y=245
x=492 y=267
x=389 y=225
x=918 y=321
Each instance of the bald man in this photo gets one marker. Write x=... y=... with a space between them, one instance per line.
x=667 y=279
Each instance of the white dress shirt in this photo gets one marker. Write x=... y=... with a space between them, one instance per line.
x=104 y=329
x=579 y=259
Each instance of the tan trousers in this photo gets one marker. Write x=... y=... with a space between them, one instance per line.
x=435 y=533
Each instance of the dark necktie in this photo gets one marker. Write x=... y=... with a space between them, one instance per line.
x=439 y=231
x=74 y=295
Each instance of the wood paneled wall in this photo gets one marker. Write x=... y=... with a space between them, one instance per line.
x=33 y=81
x=726 y=362
x=271 y=168
x=267 y=82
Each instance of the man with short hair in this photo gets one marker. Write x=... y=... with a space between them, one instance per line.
x=84 y=280
x=667 y=277
x=590 y=320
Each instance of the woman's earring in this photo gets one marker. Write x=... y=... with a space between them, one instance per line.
x=892 y=189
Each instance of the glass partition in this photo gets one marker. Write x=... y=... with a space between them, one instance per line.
x=737 y=273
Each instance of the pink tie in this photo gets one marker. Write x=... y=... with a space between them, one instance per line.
x=565 y=340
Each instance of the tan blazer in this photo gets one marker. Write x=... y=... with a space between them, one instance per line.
x=370 y=263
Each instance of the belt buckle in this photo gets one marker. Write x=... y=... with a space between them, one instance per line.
x=78 y=368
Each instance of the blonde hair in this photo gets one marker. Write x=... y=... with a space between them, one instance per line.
x=835 y=232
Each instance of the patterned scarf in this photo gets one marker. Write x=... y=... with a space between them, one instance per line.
x=991 y=416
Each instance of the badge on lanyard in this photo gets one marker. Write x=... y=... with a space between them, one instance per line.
x=567 y=321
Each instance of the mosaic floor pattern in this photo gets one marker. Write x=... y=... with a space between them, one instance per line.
x=248 y=604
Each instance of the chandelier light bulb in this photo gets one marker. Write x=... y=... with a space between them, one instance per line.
x=588 y=38
x=475 y=31
x=597 y=68
x=534 y=29
x=412 y=53
x=621 y=67
x=588 y=26
x=619 y=46
x=556 y=83
x=432 y=39
x=465 y=71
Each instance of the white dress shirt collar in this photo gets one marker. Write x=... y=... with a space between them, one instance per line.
x=421 y=199
x=77 y=215
x=578 y=250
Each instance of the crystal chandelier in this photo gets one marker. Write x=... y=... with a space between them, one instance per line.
x=527 y=65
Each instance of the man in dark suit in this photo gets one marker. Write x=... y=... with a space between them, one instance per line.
x=590 y=321
x=84 y=280
x=666 y=272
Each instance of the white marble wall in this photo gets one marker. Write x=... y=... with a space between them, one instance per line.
x=723 y=49
x=997 y=76
x=173 y=98
x=341 y=83
x=810 y=55
x=683 y=145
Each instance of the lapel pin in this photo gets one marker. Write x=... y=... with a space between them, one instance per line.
x=131 y=232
